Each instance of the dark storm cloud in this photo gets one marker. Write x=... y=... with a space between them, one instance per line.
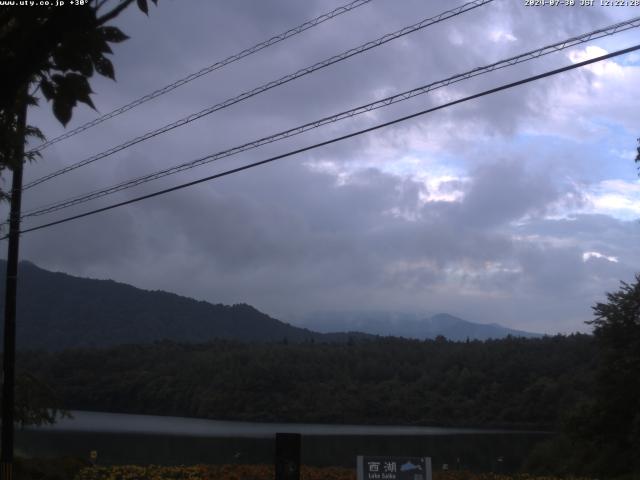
x=504 y=192
x=264 y=234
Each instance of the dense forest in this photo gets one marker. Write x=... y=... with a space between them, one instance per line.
x=512 y=383
x=584 y=387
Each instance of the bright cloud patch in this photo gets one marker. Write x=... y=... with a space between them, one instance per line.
x=624 y=154
x=590 y=103
x=588 y=255
x=445 y=188
x=587 y=53
x=618 y=198
x=605 y=68
x=500 y=35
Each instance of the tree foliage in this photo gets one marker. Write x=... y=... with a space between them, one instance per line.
x=616 y=414
x=602 y=434
x=55 y=50
x=36 y=403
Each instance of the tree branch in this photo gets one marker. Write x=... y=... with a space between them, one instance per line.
x=114 y=13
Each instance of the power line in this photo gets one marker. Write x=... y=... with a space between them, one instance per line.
x=610 y=30
x=334 y=140
x=267 y=86
x=204 y=71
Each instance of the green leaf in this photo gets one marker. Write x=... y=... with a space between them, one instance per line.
x=48 y=90
x=101 y=47
x=61 y=59
x=31 y=131
x=77 y=58
x=62 y=110
x=70 y=89
x=86 y=99
x=142 y=5
x=84 y=65
x=77 y=88
x=113 y=34
x=104 y=67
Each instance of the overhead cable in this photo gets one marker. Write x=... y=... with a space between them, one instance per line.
x=267 y=86
x=204 y=71
x=334 y=140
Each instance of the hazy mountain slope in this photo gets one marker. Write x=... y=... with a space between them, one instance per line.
x=409 y=325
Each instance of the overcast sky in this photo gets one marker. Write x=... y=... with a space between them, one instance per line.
x=519 y=208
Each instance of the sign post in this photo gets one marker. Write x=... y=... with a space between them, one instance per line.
x=288 y=456
x=394 y=468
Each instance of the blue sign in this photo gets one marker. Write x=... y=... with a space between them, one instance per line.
x=394 y=468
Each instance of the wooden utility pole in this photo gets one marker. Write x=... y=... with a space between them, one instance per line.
x=11 y=286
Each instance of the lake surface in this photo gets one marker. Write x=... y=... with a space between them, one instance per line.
x=152 y=424
x=146 y=439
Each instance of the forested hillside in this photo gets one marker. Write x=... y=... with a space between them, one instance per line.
x=518 y=383
x=58 y=311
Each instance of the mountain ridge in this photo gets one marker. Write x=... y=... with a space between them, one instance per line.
x=410 y=325
x=58 y=311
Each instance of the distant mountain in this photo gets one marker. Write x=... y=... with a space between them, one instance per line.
x=57 y=311
x=409 y=325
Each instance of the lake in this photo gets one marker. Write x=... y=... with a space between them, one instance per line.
x=147 y=439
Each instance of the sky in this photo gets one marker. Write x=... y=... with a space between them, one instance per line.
x=519 y=208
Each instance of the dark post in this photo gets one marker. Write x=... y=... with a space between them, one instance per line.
x=288 y=456
x=6 y=455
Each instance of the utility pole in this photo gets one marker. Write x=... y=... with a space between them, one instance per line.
x=11 y=284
